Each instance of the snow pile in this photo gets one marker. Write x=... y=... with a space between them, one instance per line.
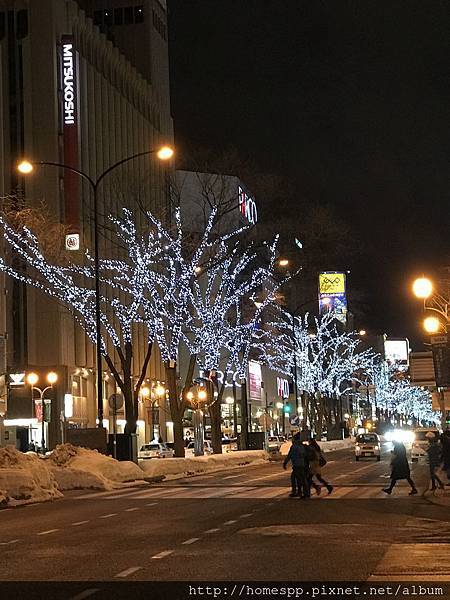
x=330 y=446
x=80 y=468
x=175 y=468
x=24 y=478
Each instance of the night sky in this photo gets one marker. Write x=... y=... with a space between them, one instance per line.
x=349 y=102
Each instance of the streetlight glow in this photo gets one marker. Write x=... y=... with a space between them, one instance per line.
x=160 y=390
x=431 y=324
x=283 y=262
x=362 y=332
x=165 y=153
x=32 y=378
x=25 y=167
x=52 y=377
x=422 y=287
x=145 y=392
x=202 y=395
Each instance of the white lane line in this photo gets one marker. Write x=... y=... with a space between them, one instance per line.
x=79 y=523
x=47 y=532
x=132 y=509
x=108 y=515
x=163 y=554
x=151 y=504
x=190 y=541
x=232 y=476
x=8 y=543
x=127 y=572
x=214 y=530
x=230 y=522
x=246 y=515
x=270 y=504
x=85 y=594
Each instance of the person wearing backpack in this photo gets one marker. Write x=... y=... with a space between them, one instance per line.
x=316 y=462
x=297 y=456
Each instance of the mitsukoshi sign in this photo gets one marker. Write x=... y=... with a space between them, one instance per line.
x=69 y=83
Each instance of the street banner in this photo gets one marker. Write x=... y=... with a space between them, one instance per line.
x=332 y=294
x=440 y=348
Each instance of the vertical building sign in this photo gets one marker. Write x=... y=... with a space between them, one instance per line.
x=70 y=117
x=333 y=295
x=254 y=380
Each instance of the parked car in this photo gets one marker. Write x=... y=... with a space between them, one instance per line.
x=275 y=442
x=207 y=448
x=367 y=445
x=421 y=442
x=155 y=450
x=229 y=444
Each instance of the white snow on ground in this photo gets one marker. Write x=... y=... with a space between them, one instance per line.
x=176 y=468
x=325 y=446
x=80 y=468
x=24 y=478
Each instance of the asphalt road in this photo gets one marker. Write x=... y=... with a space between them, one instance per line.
x=234 y=525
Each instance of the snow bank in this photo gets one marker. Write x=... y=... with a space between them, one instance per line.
x=325 y=446
x=24 y=479
x=80 y=468
x=176 y=468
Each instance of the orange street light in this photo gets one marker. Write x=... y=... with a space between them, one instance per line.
x=422 y=287
x=431 y=324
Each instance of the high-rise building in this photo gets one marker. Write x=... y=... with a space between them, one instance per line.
x=84 y=84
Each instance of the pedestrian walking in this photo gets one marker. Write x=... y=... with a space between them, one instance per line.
x=297 y=456
x=400 y=469
x=434 y=452
x=316 y=462
x=445 y=443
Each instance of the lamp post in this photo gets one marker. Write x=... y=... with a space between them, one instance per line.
x=32 y=379
x=26 y=167
x=423 y=289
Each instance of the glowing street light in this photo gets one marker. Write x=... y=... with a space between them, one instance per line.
x=422 y=287
x=25 y=167
x=283 y=262
x=431 y=324
x=32 y=379
x=165 y=153
x=362 y=332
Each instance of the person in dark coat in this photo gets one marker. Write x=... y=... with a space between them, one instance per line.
x=315 y=468
x=434 y=460
x=400 y=469
x=297 y=456
x=445 y=443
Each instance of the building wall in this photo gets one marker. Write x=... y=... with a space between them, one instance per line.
x=121 y=112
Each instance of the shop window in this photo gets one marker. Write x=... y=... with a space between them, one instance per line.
x=128 y=15
x=138 y=14
x=22 y=24
x=118 y=16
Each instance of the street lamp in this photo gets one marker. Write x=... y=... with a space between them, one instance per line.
x=431 y=324
x=32 y=379
x=422 y=287
x=26 y=167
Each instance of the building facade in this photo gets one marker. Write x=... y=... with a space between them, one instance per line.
x=80 y=89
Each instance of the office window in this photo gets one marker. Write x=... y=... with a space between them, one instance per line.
x=128 y=15
x=138 y=14
x=118 y=16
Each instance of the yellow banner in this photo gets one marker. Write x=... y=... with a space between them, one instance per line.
x=332 y=283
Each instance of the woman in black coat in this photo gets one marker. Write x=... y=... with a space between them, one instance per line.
x=400 y=469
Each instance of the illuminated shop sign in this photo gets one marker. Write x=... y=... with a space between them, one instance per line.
x=68 y=84
x=247 y=206
x=332 y=294
x=73 y=241
x=282 y=387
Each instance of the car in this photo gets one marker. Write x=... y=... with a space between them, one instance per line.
x=421 y=442
x=155 y=450
x=190 y=448
x=275 y=442
x=367 y=445
x=229 y=444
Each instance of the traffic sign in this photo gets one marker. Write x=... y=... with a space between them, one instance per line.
x=115 y=402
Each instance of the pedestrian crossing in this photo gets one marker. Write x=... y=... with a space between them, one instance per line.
x=196 y=491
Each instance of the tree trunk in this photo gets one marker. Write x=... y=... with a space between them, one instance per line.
x=215 y=415
x=176 y=411
x=131 y=414
x=244 y=416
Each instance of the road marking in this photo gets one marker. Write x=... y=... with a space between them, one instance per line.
x=47 y=532
x=85 y=594
x=108 y=515
x=232 y=476
x=230 y=522
x=8 y=543
x=163 y=554
x=246 y=515
x=151 y=504
x=79 y=523
x=270 y=504
x=191 y=541
x=132 y=509
x=214 y=530
x=127 y=572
